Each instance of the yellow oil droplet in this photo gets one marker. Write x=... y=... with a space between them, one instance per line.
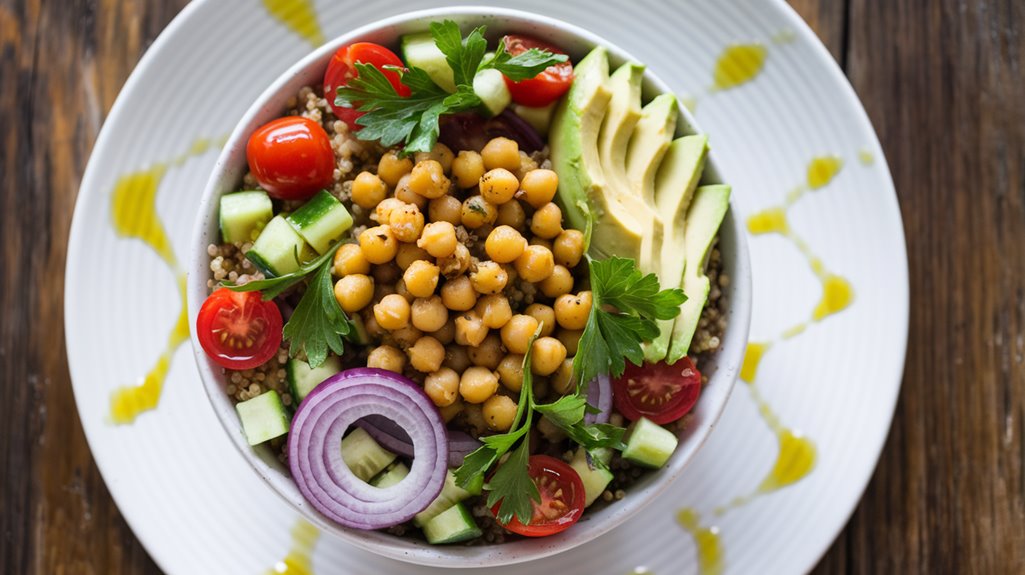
x=795 y=330
x=822 y=170
x=794 y=462
x=299 y=560
x=752 y=357
x=785 y=36
x=642 y=571
x=866 y=158
x=706 y=539
x=738 y=64
x=134 y=211
x=837 y=294
x=689 y=102
x=299 y=16
x=772 y=220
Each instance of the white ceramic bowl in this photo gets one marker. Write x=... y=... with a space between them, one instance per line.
x=722 y=370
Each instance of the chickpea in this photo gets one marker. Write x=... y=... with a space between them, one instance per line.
x=373 y=328
x=457 y=358
x=571 y=311
x=517 y=332
x=536 y=241
x=391 y=168
x=406 y=194
x=504 y=244
x=407 y=336
x=547 y=221
x=402 y=290
x=446 y=334
x=450 y=411
x=386 y=275
x=478 y=212
x=392 y=312
x=442 y=386
x=560 y=282
x=458 y=294
x=407 y=223
x=487 y=353
x=470 y=329
x=428 y=179
x=538 y=187
x=535 y=264
x=387 y=357
x=547 y=355
x=368 y=190
x=501 y=153
x=426 y=354
x=510 y=370
x=527 y=164
x=439 y=153
x=568 y=248
x=498 y=186
x=409 y=253
x=455 y=264
x=467 y=168
x=445 y=209
x=354 y=292
x=478 y=384
x=428 y=313
x=570 y=338
x=349 y=259
x=511 y=214
x=421 y=278
x=544 y=315
x=489 y=278
x=383 y=211
x=438 y=239
x=494 y=309
x=378 y=244
x=499 y=412
x=562 y=380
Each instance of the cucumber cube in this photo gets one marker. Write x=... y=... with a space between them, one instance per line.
x=453 y=525
x=244 y=214
x=263 y=417
x=321 y=221
x=649 y=444
x=277 y=248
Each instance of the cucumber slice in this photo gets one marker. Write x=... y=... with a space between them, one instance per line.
x=595 y=480
x=649 y=444
x=391 y=476
x=538 y=118
x=363 y=455
x=489 y=85
x=263 y=417
x=453 y=525
x=419 y=50
x=449 y=496
x=321 y=221
x=244 y=214
x=277 y=248
x=302 y=378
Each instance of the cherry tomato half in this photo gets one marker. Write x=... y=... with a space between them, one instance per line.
x=291 y=157
x=238 y=330
x=661 y=392
x=342 y=68
x=562 y=498
x=546 y=87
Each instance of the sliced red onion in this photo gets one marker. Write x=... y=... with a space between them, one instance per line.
x=315 y=456
x=599 y=395
x=395 y=439
x=470 y=131
x=460 y=444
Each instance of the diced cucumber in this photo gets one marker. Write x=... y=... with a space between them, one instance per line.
x=391 y=476
x=538 y=118
x=321 y=221
x=277 y=248
x=363 y=455
x=302 y=378
x=244 y=214
x=489 y=85
x=453 y=525
x=420 y=51
x=595 y=479
x=263 y=417
x=449 y=496
x=649 y=444
x=359 y=334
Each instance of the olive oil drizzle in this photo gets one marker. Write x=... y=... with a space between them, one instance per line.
x=299 y=560
x=299 y=16
x=711 y=559
x=737 y=65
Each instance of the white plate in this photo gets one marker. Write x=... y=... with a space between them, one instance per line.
x=196 y=506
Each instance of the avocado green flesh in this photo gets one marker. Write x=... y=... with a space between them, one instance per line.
x=706 y=212
x=649 y=143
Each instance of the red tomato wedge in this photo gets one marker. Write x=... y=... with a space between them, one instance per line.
x=342 y=68
x=546 y=87
x=663 y=393
x=562 y=498
x=238 y=330
x=291 y=157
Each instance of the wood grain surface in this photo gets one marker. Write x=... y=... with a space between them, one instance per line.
x=944 y=84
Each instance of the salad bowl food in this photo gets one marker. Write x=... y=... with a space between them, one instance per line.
x=486 y=300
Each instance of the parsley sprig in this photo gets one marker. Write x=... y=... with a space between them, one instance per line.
x=414 y=120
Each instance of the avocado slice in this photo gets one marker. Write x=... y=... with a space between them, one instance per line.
x=705 y=215
x=649 y=143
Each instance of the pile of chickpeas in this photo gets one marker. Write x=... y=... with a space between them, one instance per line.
x=467 y=260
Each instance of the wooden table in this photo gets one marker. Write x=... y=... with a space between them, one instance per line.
x=944 y=84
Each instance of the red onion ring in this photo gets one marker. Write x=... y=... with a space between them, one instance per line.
x=599 y=395
x=315 y=457
x=395 y=439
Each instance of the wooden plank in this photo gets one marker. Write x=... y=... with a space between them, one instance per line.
x=828 y=18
